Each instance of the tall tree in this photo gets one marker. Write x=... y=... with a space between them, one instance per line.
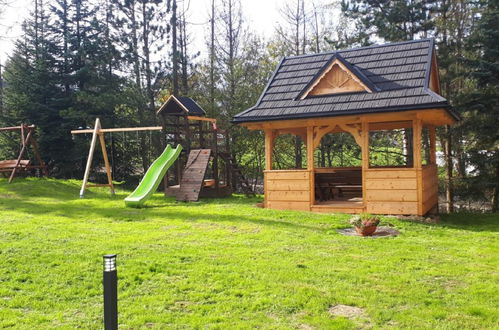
x=454 y=21
x=212 y=59
x=172 y=5
x=393 y=20
x=1 y=90
x=229 y=41
x=294 y=36
x=481 y=119
x=32 y=90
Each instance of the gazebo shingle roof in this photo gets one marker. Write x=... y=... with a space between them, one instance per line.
x=398 y=72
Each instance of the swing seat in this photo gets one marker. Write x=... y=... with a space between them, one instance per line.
x=10 y=164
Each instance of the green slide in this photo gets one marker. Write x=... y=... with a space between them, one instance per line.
x=153 y=177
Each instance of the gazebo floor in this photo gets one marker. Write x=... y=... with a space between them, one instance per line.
x=347 y=205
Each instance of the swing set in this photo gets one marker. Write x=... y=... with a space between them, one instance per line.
x=98 y=133
x=20 y=165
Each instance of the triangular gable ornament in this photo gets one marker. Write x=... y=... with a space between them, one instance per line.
x=336 y=77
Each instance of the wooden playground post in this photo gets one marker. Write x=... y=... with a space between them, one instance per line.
x=96 y=132
x=23 y=149
x=90 y=157
x=216 y=175
x=106 y=162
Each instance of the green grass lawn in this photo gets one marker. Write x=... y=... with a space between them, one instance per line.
x=224 y=263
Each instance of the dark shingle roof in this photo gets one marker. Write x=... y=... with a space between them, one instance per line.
x=179 y=105
x=397 y=73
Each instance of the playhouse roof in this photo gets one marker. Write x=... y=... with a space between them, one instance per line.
x=181 y=105
x=395 y=77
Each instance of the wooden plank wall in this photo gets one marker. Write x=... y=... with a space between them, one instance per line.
x=194 y=172
x=430 y=187
x=390 y=191
x=287 y=189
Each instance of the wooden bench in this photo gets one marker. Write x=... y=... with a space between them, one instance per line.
x=8 y=165
x=338 y=183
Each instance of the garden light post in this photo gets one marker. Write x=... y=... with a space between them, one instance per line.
x=110 y=281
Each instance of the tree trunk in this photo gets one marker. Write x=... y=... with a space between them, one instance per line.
x=1 y=90
x=449 y=191
x=184 y=56
x=408 y=142
x=173 y=23
x=66 y=48
x=212 y=61
x=495 y=192
x=136 y=67
x=147 y=63
x=323 y=155
x=298 y=155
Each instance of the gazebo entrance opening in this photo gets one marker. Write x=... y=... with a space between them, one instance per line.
x=338 y=170
x=338 y=161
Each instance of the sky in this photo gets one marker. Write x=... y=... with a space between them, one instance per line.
x=261 y=17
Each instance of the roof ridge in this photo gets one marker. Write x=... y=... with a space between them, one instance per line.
x=386 y=44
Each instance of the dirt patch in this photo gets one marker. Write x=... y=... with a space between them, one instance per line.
x=346 y=311
x=7 y=196
x=381 y=231
x=414 y=218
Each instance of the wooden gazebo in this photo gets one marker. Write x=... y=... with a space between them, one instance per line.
x=357 y=91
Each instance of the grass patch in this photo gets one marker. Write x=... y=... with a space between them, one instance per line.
x=224 y=263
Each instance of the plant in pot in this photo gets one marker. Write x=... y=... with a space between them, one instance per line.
x=365 y=224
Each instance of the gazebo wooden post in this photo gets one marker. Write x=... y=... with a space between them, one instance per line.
x=416 y=147
x=269 y=146
x=176 y=138
x=310 y=163
x=365 y=156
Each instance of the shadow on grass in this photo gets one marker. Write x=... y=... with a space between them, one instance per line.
x=64 y=202
x=45 y=187
x=60 y=193
x=471 y=221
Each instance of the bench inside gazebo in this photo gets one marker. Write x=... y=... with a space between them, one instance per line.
x=387 y=91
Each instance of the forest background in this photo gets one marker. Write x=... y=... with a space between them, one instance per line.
x=119 y=59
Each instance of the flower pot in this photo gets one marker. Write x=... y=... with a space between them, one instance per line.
x=366 y=230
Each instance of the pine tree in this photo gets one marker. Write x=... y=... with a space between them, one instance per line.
x=32 y=89
x=482 y=101
x=393 y=20
x=1 y=90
